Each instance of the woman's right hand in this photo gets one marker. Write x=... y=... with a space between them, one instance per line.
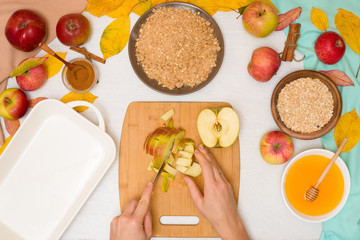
x=218 y=203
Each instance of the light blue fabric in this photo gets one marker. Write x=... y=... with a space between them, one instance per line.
x=346 y=224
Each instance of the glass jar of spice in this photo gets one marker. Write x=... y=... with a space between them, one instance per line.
x=82 y=78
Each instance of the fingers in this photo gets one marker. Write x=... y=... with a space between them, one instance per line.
x=144 y=204
x=208 y=172
x=130 y=208
x=218 y=174
x=194 y=191
x=148 y=225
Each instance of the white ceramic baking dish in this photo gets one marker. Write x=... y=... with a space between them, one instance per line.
x=49 y=169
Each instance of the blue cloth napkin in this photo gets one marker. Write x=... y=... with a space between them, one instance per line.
x=346 y=224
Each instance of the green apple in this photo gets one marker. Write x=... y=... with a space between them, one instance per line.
x=218 y=127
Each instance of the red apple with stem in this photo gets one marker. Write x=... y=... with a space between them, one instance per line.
x=25 y=30
x=264 y=64
x=33 y=78
x=73 y=29
x=276 y=147
x=260 y=19
x=329 y=47
x=13 y=103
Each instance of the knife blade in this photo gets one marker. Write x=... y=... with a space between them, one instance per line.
x=163 y=163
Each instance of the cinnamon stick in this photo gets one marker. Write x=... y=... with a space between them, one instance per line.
x=87 y=54
x=290 y=44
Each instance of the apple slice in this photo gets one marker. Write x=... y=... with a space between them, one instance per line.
x=185 y=154
x=181 y=168
x=186 y=162
x=165 y=184
x=171 y=160
x=189 y=148
x=166 y=116
x=218 y=127
x=170 y=169
x=168 y=175
x=194 y=170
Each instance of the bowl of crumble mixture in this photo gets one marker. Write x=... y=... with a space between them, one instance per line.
x=306 y=104
x=176 y=48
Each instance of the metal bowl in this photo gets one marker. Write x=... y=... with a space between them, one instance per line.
x=152 y=83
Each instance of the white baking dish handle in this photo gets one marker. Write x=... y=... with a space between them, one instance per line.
x=91 y=106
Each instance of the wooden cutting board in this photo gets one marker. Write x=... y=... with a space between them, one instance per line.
x=142 y=118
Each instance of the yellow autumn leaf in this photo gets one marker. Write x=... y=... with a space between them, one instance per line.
x=138 y=7
x=102 y=7
x=53 y=65
x=79 y=97
x=348 y=126
x=2 y=148
x=319 y=19
x=348 y=25
x=115 y=36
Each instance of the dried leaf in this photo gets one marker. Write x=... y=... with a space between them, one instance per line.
x=2 y=148
x=115 y=37
x=287 y=18
x=348 y=25
x=319 y=19
x=338 y=77
x=102 y=7
x=79 y=97
x=53 y=65
x=137 y=7
x=27 y=65
x=348 y=126
x=12 y=126
x=33 y=102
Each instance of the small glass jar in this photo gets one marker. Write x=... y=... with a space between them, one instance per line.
x=78 y=81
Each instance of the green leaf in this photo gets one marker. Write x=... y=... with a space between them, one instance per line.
x=27 y=65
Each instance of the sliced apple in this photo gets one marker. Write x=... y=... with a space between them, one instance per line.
x=170 y=169
x=186 y=162
x=171 y=160
x=166 y=116
x=185 y=154
x=189 y=148
x=194 y=170
x=218 y=127
x=165 y=184
x=168 y=175
x=181 y=168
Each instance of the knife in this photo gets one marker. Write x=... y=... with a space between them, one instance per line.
x=163 y=163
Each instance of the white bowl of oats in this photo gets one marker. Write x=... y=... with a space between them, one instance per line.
x=306 y=104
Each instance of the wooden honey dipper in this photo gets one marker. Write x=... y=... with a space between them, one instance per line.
x=313 y=192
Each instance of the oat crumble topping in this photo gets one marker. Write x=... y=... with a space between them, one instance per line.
x=305 y=105
x=177 y=47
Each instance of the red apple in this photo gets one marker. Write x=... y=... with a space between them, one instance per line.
x=33 y=78
x=25 y=30
x=13 y=104
x=260 y=19
x=329 y=47
x=73 y=29
x=276 y=147
x=264 y=64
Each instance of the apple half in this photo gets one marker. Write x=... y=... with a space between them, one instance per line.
x=218 y=127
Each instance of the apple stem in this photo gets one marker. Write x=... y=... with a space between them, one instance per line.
x=357 y=74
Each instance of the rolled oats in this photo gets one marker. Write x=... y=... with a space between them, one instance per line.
x=305 y=105
x=177 y=47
